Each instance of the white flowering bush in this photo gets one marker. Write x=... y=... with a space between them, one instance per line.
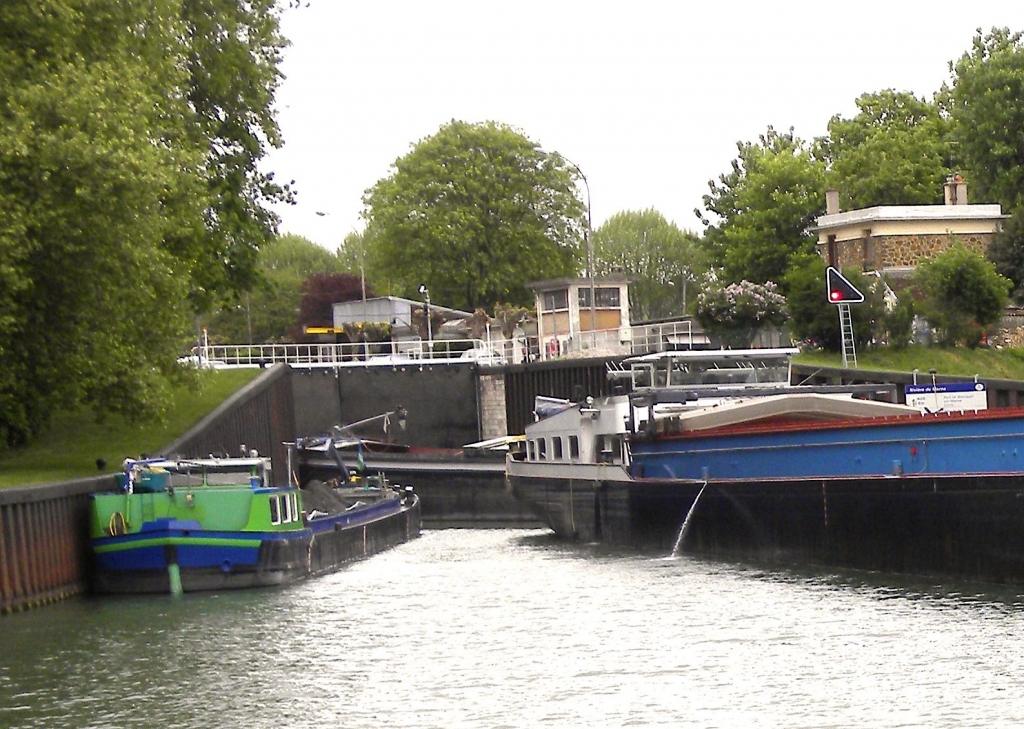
x=734 y=314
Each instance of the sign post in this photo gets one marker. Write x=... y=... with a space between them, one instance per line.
x=842 y=293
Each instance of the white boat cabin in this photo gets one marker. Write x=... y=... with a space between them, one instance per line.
x=589 y=432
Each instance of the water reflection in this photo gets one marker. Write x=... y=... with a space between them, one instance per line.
x=503 y=628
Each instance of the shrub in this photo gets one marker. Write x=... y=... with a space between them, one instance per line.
x=734 y=313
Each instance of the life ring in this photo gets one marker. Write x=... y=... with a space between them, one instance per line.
x=552 y=347
x=117 y=526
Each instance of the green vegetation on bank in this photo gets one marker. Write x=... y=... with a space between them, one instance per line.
x=69 y=448
x=998 y=364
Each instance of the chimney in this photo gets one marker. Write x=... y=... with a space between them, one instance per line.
x=956 y=190
x=831 y=202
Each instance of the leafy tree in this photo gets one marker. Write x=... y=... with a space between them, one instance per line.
x=895 y=151
x=988 y=117
x=1007 y=254
x=764 y=208
x=354 y=252
x=232 y=60
x=961 y=294
x=656 y=256
x=814 y=319
x=122 y=177
x=319 y=292
x=270 y=311
x=475 y=212
x=898 y=323
x=735 y=312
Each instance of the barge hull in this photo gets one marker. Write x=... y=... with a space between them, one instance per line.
x=274 y=562
x=969 y=527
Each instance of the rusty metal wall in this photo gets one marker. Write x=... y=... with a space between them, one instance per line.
x=43 y=542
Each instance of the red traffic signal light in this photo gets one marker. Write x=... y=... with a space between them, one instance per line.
x=840 y=290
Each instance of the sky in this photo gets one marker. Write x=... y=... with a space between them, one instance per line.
x=647 y=98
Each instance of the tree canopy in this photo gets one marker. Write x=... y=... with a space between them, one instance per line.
x=988 y=116
x=270 y=311
x=474 y=212
x=656 y=255
x=895 y=151
x=759 y=215
x=1007 y=254
x=962 y=294
x=129 y=193
x=320 y=292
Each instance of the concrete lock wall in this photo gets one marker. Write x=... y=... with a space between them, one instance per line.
x=440 y=401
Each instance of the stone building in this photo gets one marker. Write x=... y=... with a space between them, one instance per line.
x=893 y=239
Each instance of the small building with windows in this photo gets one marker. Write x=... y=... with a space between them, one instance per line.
x=895 y=239
x=582 y=316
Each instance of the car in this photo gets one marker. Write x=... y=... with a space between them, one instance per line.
x=389 y=359
x=484 y=355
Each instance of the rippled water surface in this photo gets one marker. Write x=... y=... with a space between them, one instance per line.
x=512 y=628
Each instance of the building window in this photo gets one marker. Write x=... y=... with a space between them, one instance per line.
x=554 y=300
x=607 y=298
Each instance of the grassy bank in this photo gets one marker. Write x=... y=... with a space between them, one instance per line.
x=70 y=448
x=999 y=364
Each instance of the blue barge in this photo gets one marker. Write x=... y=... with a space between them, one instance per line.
x=758 y=469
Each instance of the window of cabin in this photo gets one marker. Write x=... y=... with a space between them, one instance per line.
x=574 y=447
x=556 y=448
x=542 y=451
x=606 y=297
x=275 y=510
x=554 y=300
x=609 y=449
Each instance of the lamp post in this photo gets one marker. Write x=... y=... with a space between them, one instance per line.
x=425 y=293
x=588 y=240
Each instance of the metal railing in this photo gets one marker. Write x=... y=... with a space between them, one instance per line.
x=620 y=341
x=360 y=354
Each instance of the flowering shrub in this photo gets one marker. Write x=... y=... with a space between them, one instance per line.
x=735 y=312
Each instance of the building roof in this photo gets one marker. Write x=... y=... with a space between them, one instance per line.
x=359 y=310
x=906 y=213
x=562 y=283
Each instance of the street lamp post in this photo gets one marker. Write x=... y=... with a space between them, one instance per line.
x=425 y=293
x=588 y=240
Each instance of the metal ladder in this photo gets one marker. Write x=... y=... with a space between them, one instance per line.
x=846 y=329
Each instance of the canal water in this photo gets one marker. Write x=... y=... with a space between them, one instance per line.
x=513 y=628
